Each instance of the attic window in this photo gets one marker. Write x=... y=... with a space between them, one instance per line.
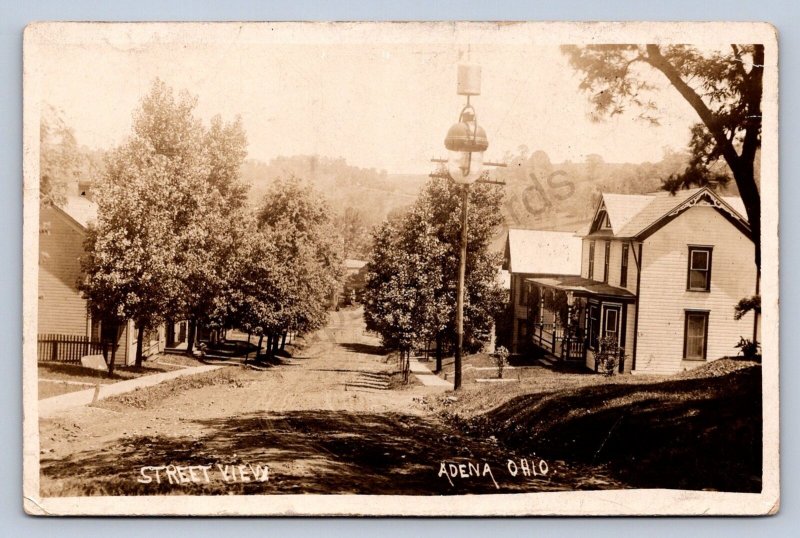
x=605 y=224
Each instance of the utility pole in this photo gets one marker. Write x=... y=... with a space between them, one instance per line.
x=462 y=269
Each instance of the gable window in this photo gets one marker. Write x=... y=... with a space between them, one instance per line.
x=623 y=273
x=591 y=260
x=695 y=335
x=605 y=224
x=606 y=258
x=699 y=273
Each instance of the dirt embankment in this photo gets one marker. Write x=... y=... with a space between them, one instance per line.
x=697 y=430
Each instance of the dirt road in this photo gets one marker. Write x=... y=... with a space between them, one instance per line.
x=324 y=422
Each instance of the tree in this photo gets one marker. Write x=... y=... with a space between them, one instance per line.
x=413 y=269
x=258 y=294
x=297 y=221
x=168 y=211
x=131 y=255
x=724 y=88
x=352 y=226
x=60 y=160
x=404 y=299
x=484 y=299
x=212 y=236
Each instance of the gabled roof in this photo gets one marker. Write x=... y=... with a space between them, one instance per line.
x=80 y=209
x=543 y=252
x=632 y=215
x=621 y=208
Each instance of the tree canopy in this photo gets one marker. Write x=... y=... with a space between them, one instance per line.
x=413 y=268
x=297 y=222
x=167 y=209
x=724 y=87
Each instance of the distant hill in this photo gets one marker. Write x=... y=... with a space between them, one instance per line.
x=539 y=193
x=562 y=196
x=374 y=193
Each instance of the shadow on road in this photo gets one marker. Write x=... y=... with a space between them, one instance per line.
x=367 y=349
x=308 y=452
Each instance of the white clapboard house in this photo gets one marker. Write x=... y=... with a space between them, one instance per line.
x=660 y=273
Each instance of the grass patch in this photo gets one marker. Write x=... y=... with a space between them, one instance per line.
x=48 y=389
x=149 y=397
x=396 y=382
x=74 y=372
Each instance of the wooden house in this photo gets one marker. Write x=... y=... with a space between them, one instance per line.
x=534 y=253
x=66 y=329
x=660 y=274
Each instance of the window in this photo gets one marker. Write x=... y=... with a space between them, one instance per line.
x=606 y=258
x=523 y=293
x=699 y=277
x=522 y=332
x=611 y=322
x=591 y=260
x=695 y=335
x=605 y=224
x=623 y=274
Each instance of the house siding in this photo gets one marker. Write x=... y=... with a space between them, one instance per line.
x=630 y=321
x=663 y=298
x=520 y=312
x=615 y=262
x=61 y=308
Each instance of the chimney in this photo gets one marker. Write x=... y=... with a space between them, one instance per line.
x=85 y=188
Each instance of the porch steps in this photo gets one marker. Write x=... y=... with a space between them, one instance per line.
x=545 y=361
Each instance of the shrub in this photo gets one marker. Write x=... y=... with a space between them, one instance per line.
x=607 y=356
x=749 y=349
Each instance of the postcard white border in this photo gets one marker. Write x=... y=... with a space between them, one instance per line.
x=584 y=503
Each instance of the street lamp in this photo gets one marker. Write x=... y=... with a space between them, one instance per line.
x=465 y=142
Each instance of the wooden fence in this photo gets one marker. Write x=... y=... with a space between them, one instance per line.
x=68 y=348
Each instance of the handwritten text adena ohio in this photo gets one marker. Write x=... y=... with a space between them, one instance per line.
x=522 y=467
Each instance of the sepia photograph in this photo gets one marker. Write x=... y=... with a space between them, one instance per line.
x=413 y=269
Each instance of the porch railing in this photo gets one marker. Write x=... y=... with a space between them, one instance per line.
x=552 y=338
x=545 y=336
x=68 y=348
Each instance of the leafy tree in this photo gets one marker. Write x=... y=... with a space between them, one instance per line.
x=131 y=253
x=167 y=222
x=259 y=288
x=60 y=159
x=297 y=222
x=413 y=269
x=483 y=300
x=353 y=228
x=724 y=87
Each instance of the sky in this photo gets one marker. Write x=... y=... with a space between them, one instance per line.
x=384 y=105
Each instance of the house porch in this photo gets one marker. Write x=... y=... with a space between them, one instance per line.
x=569 y=316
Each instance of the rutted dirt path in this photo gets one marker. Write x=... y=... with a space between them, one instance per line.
x=324 y=422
